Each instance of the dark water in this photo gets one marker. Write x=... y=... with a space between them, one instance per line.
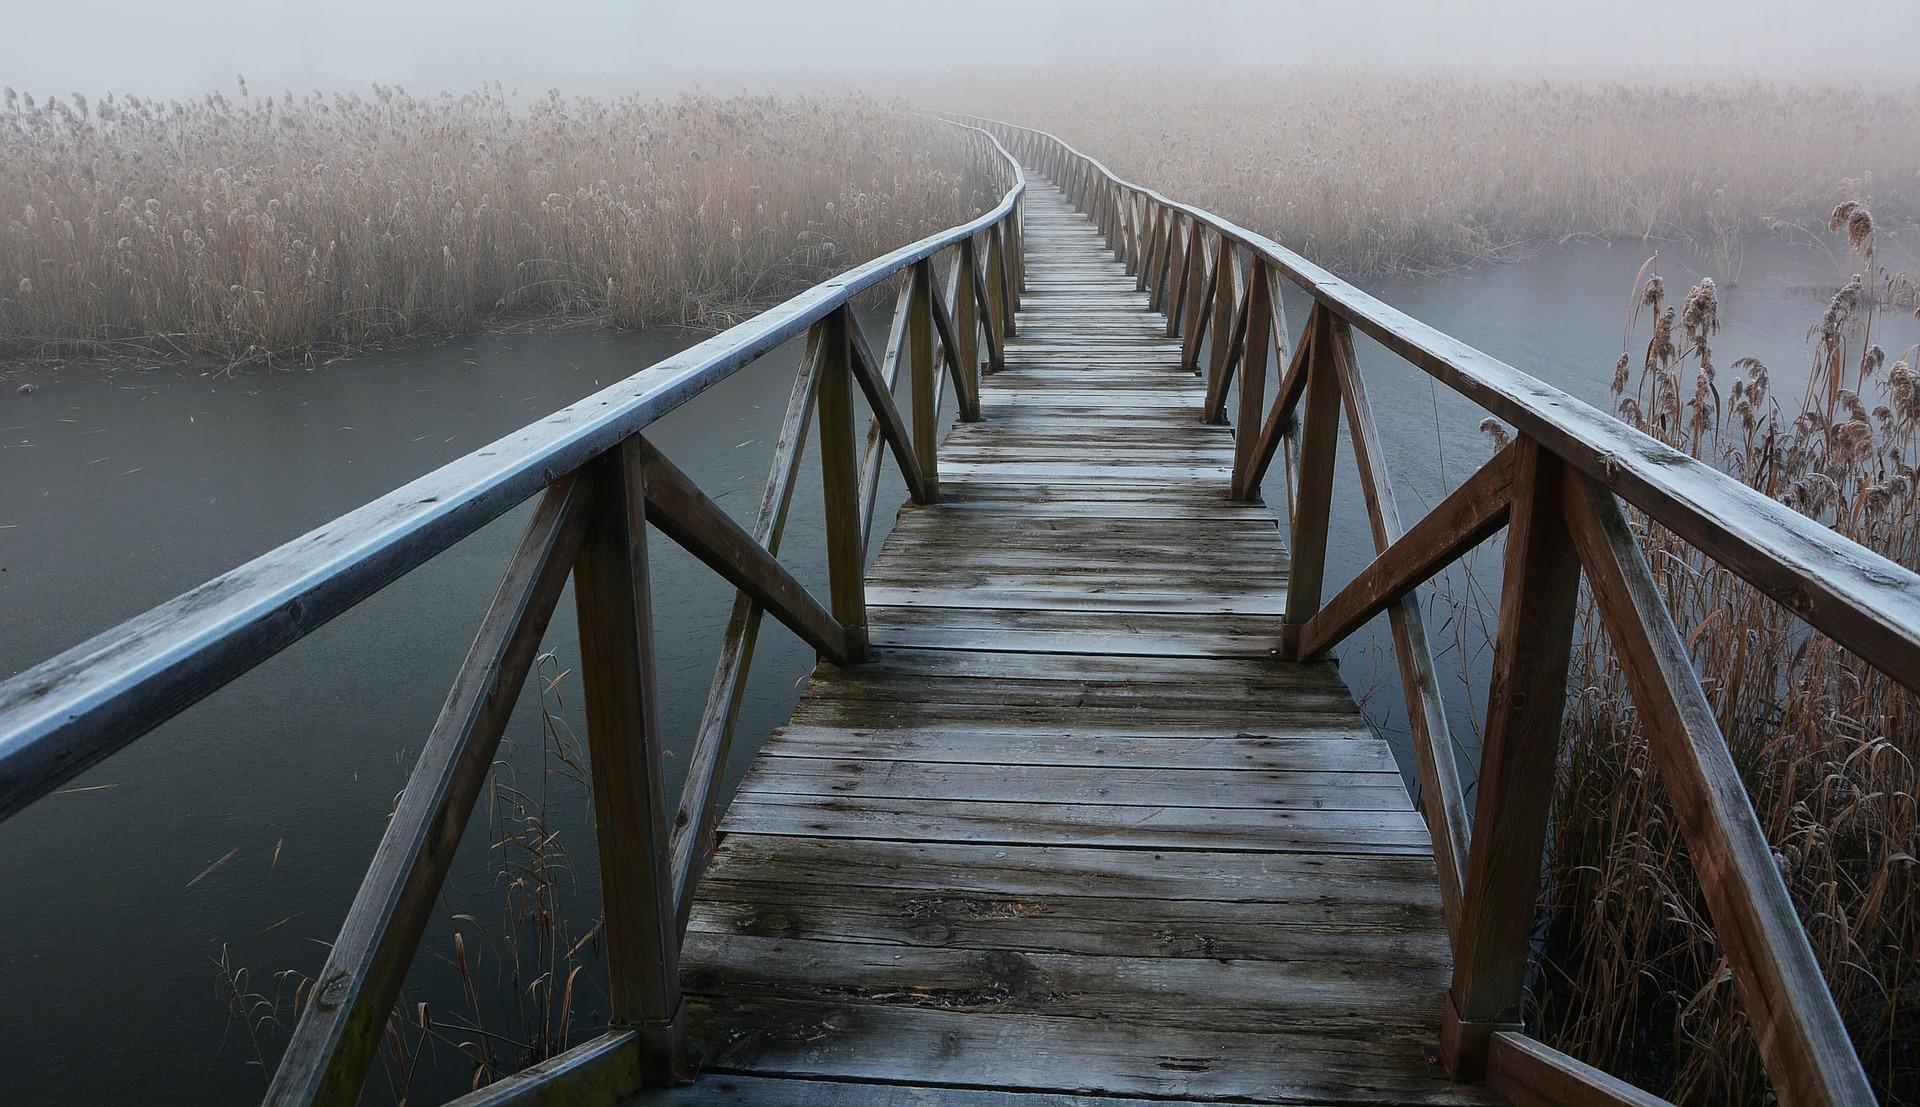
x=119 y=490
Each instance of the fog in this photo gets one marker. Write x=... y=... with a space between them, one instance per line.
x=187 y=47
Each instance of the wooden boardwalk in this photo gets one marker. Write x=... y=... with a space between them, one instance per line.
x=1073 y=832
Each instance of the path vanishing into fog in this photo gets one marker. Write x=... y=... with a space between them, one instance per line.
x=1072 y=829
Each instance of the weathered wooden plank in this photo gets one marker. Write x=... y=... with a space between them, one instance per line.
x=1238 y=635
x=1398 y=832
x=1272 y=994
x=1345 y=744
x=761 y=1091
x=988 y=870
x=895 y=1041
x=1070 y=800
x=1100 y=596
x=1212 y=789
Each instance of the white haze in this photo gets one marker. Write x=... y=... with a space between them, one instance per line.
x=186 y=47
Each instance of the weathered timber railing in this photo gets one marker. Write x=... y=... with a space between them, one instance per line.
x=1554 y=489
x=599 y=483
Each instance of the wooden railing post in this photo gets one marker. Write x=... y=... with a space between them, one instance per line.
x=1525 y=699
x=839 y=482
x=1156 y=238
x=624 y=749
x=1173 y=251
x=1226 y=305
x=1253 y=382
x=997 y=321
x=1193 y=294
x=925 y=377
x=1200 y=297
x=966 y=316
x=1319 y=439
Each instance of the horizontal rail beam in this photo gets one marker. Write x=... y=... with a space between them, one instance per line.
x=71 y=711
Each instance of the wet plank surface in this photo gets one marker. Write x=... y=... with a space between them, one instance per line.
x=1073 y=837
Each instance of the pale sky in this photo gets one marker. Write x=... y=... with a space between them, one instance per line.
x=183 y=47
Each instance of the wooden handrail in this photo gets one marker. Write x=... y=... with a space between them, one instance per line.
x=1554 y=490
x=67 y=713
x=603 y=484
x=1859 y=598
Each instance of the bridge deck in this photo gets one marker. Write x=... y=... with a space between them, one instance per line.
x=1072 y=831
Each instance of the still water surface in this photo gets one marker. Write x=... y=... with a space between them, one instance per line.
x=245 y=824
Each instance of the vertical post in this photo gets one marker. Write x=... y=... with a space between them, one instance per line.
x=1525 y=700
x=997 y=293
x=624 y=749
x=1251 y=413
x=922 y=370
x=966 y=316
x=1174 y=247
x=1151 y=248
x=1017 y=256
x=840 y=482
x=1005 y=266
x=1192 y=322
x=1226 y=272
x=1319 y=439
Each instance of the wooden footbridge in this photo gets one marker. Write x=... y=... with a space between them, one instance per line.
x=1073 y=810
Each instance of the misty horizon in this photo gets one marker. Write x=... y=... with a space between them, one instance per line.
x=653 y=48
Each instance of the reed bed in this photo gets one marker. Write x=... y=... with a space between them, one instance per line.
x=1372 y=174
x=1632 y=977
x=262 y=227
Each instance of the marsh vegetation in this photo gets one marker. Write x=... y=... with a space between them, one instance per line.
x=261 y=227
x=1632 y=977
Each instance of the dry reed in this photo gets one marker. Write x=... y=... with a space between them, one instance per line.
x=1632 y=977
x=523 y=983
x=264 y=227
x=1372 y=175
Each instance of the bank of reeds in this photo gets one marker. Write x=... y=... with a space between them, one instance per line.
x=1632 y=977
x=1372 y=174
x=256 y=227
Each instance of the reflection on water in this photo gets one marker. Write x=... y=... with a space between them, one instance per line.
x=119 y=490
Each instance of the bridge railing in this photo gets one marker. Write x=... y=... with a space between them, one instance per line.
x=598 y=484
x=1556 y=490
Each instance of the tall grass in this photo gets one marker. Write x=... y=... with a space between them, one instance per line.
x=1633 y=978
x=261 y=226
x=509 y=992
x=1372 y=173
